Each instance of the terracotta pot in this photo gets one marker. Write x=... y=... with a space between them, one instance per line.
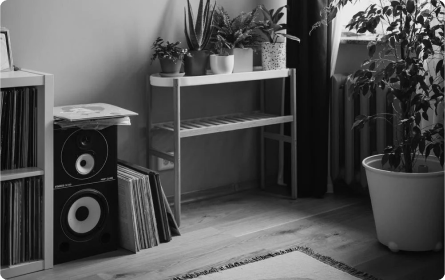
x=273 y=56
x=407 y=207
x=243 y=60
x=169 y=66
x=222 y=64
x=196 y=65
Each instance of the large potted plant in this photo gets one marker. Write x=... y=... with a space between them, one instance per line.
x=240 y=33
x=170 y=57
x=222 y=61
x=198 y=34
x=273 y=53
x=406 y=183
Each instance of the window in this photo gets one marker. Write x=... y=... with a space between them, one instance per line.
x=351 y=9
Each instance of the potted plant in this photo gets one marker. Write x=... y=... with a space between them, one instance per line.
x=273 y=53
x=170 y=57
x=240 y=33
x=223 y=61
x=198 y=35
x=406 y=183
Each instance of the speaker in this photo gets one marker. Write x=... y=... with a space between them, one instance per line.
x=84 y=156
x=85 y=193
x=85 y=221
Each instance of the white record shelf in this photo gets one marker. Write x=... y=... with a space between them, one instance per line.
x=45 y=103
x=201 y=126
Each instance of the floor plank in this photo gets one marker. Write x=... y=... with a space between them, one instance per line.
x=239 y=226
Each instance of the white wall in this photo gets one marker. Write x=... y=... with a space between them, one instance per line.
x=99 y=51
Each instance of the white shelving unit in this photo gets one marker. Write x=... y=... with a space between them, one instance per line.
x=45 y=102
x=195 y=127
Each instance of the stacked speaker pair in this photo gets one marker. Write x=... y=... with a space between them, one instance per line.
x=85 y=193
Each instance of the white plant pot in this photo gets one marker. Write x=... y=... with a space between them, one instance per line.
x=408 y=208
x=243 y=60
x=222 y=64
x=273 y=56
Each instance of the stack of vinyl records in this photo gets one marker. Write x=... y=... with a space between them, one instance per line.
x=145 y=217
x=21 y=228
x=18 y=110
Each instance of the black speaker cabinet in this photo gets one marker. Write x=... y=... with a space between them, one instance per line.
x=85 y=194
x=85 y=221
x=84 y=156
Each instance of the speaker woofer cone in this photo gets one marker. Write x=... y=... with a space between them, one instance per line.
x=91 y=222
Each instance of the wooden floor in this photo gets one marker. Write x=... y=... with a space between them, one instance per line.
x=246 y=224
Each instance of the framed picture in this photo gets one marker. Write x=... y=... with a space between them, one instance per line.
x=6 y=51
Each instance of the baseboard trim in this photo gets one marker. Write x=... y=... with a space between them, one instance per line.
x=215 y=192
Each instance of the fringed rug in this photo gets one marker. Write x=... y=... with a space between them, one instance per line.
x=298 y=263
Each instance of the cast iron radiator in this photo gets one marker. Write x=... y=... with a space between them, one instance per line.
x=349 y=147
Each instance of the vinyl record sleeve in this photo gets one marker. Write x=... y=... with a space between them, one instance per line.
x=149 y=220
x=90 y=111
x=172 y=225
x=128 y=235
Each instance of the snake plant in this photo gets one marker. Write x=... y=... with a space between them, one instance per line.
x=199 y=32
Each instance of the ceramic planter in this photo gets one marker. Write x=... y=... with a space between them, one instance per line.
x=222 y=64
x=196 y=65
x=408 y=208
x=273 y=56
x=243 y=60
x=169 y=66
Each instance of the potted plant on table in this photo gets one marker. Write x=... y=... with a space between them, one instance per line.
x=170 y=56
x=406 y=183
x=239 y=32
x=273 y=53
x=222 y=62
x=198 y=34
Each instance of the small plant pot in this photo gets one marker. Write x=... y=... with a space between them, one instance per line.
x=243 y=60
x=273 y=56
x=222 y=64
x=169 y=66
x=407 y=207
x=196 y=65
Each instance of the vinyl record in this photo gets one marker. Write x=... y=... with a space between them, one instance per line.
x=84 y=214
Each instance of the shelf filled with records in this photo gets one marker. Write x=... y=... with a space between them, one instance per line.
x=26 y=172
x=21 y=227
x=209 y=125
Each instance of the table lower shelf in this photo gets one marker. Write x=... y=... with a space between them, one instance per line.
x=202 y=126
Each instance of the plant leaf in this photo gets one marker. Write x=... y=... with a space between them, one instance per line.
x=439 y=66
x=192 y=33
x=291 y=37
x=199 y=26
x=208 y=30
x=187 y=37
x=371 y=49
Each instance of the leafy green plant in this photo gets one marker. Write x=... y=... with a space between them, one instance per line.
x=400 y=62
x=270 y=26
x=167 y=50
x=238 y=32
x=199 y=33
x=221 y=46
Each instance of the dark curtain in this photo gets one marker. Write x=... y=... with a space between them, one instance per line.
x=310 y=58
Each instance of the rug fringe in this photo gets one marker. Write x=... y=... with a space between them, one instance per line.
x=325 y=259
